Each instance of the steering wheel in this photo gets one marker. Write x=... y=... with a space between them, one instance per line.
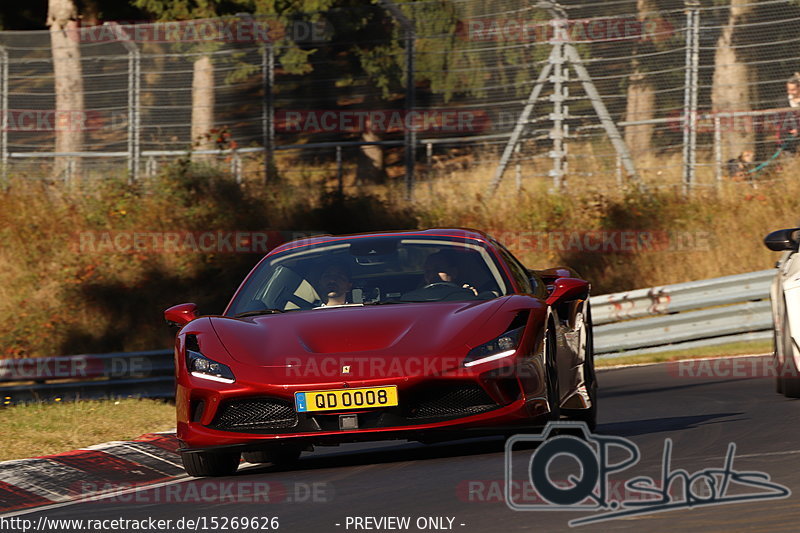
x=441 y=284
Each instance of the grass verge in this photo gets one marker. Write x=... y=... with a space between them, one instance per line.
x=31 y=430
x=723 y=350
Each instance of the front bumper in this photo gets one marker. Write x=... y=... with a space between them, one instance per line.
x=430 y=409
x=198 y=438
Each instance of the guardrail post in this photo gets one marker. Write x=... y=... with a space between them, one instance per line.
x=236 y=167
x=69 y=171
x=429 y=166
x=428 y=156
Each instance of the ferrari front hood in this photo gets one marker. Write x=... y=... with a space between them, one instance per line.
x=429 y=330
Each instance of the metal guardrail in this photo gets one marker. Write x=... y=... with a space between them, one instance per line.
x=685 y=315
x=148 y=374
x=681 y=316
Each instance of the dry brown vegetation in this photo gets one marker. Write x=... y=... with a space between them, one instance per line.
x=57 y=299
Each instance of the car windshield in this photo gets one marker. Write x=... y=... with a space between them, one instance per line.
x=371 y=271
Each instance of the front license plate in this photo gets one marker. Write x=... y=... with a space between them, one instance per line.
x=346 y=399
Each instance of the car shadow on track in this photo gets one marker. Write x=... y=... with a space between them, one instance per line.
x=632 y=428
x=410 y=451
x=634 y=390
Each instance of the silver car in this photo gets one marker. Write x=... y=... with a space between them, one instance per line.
x=785 y=298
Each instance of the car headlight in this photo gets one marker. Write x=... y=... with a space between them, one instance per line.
x=503 y=346
x=202 y=367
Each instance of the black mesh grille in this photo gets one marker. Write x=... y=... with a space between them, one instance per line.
x=458 y=400
x=263 y=413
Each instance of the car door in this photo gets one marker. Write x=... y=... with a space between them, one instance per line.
x=786 y=299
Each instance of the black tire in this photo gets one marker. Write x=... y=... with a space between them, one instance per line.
x=208 y=464
x=281 y=456
x=589 y=416
x=788 y=372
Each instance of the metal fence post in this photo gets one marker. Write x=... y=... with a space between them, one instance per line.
x=339 y=171
x=557 y=98
x=411 y=134
x=136 y=149
x=690 y=95
x=410 y=36
x=268 y=110
x=3 y=115
x=134 y=107
x=717 y=151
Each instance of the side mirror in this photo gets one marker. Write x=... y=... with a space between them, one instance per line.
x=566 y=289
x=180 y=315
x=783 y=239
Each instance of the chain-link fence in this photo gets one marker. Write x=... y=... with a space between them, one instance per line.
x=500 y=93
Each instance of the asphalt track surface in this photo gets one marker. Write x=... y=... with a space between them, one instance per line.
x=463 y=480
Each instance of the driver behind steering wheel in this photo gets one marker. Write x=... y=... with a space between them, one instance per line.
x=441 y=268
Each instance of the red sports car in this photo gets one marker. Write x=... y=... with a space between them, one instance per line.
x=419 y=335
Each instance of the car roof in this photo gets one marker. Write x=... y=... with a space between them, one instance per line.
x=459 y=233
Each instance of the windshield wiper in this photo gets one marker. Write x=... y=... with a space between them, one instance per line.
x=338 y=305
x=258 y=312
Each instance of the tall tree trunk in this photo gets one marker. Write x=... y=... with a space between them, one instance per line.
x=203 y=104
x=641 y=106
x=641 y=94
x=370 y=166
x=730 y=90
x=62 y=18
